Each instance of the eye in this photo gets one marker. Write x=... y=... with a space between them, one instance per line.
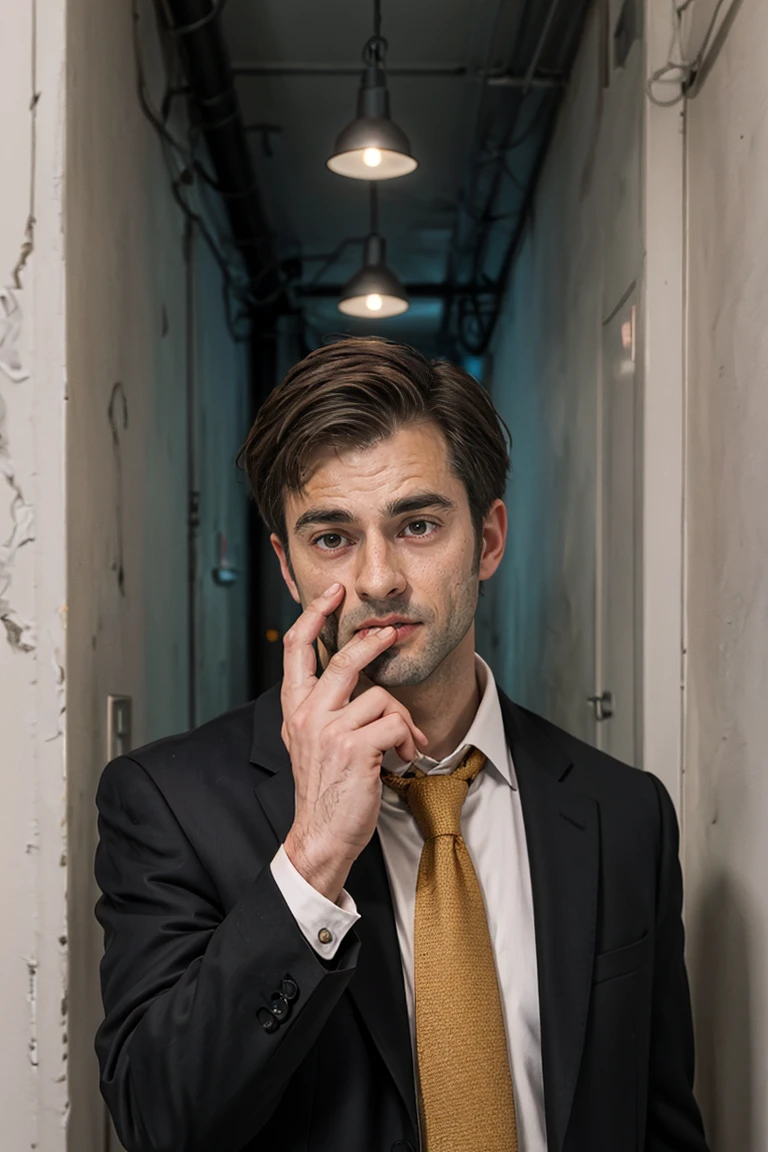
x=422 y=524
x=333 y=536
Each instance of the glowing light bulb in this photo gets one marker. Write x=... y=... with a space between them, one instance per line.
x=373 y=302
x=372 y=157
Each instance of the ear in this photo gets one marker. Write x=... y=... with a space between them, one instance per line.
x=494 y=539
x=285 y=567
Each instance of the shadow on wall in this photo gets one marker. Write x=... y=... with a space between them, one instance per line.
x=721 y=980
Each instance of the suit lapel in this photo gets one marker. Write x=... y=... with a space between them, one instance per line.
x=377 y=987
x=561 y=828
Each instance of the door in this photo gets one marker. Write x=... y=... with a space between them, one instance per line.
x=616 y=700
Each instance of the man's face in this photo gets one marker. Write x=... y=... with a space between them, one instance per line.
x=392 y=524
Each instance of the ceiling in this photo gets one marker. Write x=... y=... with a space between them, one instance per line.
x=450 y=223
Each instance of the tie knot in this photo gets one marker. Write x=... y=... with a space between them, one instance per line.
x=436 y=801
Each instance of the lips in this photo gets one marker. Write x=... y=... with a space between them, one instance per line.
x=405 y=628
x=384 y=624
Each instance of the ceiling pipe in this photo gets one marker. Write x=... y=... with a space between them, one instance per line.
x=205 y=60
x=258 y=68
x=320 y=68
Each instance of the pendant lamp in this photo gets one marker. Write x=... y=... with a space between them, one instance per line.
x=373 y=147
x=374 y=292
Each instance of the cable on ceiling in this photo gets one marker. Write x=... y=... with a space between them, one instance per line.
x=476 y=310
x=189 y=178
x=196 y=25
x=678 y=71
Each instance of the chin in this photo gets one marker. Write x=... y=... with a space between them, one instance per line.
x=391 y=670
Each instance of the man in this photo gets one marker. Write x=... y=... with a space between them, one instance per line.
x=384 y=908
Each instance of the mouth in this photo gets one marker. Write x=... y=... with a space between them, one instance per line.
x=404 y=628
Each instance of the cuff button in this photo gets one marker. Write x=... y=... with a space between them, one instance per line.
x=325 y=936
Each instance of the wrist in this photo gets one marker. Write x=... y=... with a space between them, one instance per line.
x=319 y=865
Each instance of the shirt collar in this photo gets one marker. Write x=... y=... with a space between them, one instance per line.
x=486 y=733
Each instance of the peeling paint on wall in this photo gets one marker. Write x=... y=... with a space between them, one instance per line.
x=19 y=632
x=28 y=244
x=11 y=317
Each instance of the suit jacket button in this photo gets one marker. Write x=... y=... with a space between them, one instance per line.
x=289 y=988
x=279 y=1006
x=267 y=1020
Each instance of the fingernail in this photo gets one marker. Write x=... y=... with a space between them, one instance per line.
x=333 y=588
x=422 y=737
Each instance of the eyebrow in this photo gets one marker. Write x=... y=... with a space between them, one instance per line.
x=416 y=503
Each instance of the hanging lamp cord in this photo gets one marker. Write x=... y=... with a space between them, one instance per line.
x=375 y=51
x=374 y=208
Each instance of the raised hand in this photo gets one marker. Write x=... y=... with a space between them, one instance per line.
x=336 y=745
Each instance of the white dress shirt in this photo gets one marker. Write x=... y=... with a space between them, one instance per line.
x=493 y=829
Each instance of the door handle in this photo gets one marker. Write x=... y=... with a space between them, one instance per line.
x=602 y=705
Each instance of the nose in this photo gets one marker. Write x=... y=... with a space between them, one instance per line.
x=378 y=575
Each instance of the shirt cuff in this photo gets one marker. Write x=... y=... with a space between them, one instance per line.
x=323 y=923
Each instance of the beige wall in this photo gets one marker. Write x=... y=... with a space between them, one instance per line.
x=706 y=480
x=726 y=780
x=127 y=466
x=33 y=846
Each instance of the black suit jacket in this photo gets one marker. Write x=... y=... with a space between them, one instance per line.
x=224 y=1030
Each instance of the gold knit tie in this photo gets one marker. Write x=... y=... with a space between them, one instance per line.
x=467 y=1101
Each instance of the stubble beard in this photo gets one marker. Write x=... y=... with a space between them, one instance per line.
x=400 y=668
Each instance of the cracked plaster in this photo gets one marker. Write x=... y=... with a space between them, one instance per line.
x=20 y=633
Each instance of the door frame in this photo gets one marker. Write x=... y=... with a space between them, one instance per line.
x=633 y=291
x=661 y=361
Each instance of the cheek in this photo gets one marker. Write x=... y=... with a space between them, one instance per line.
x=314 y=573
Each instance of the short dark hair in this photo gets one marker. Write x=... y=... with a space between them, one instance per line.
x=357 y=392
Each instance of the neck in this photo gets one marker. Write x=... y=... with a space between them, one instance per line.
x=444 y=706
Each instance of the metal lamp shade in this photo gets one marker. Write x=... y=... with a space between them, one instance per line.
x=374 y=292
x=372 y=147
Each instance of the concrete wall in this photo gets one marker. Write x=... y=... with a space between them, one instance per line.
x=33 y=851
x=581 y=252
x=705 y=425
x=128 y=461
x=725 y=781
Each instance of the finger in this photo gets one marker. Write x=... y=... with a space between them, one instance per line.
x=299 y=660
x=390 y=732
x=338 y=681
x=372 y=705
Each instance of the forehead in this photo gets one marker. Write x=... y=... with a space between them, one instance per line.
x=413 y=458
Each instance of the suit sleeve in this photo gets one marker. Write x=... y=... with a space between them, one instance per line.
x=673 y=1121
x=207 y=1015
